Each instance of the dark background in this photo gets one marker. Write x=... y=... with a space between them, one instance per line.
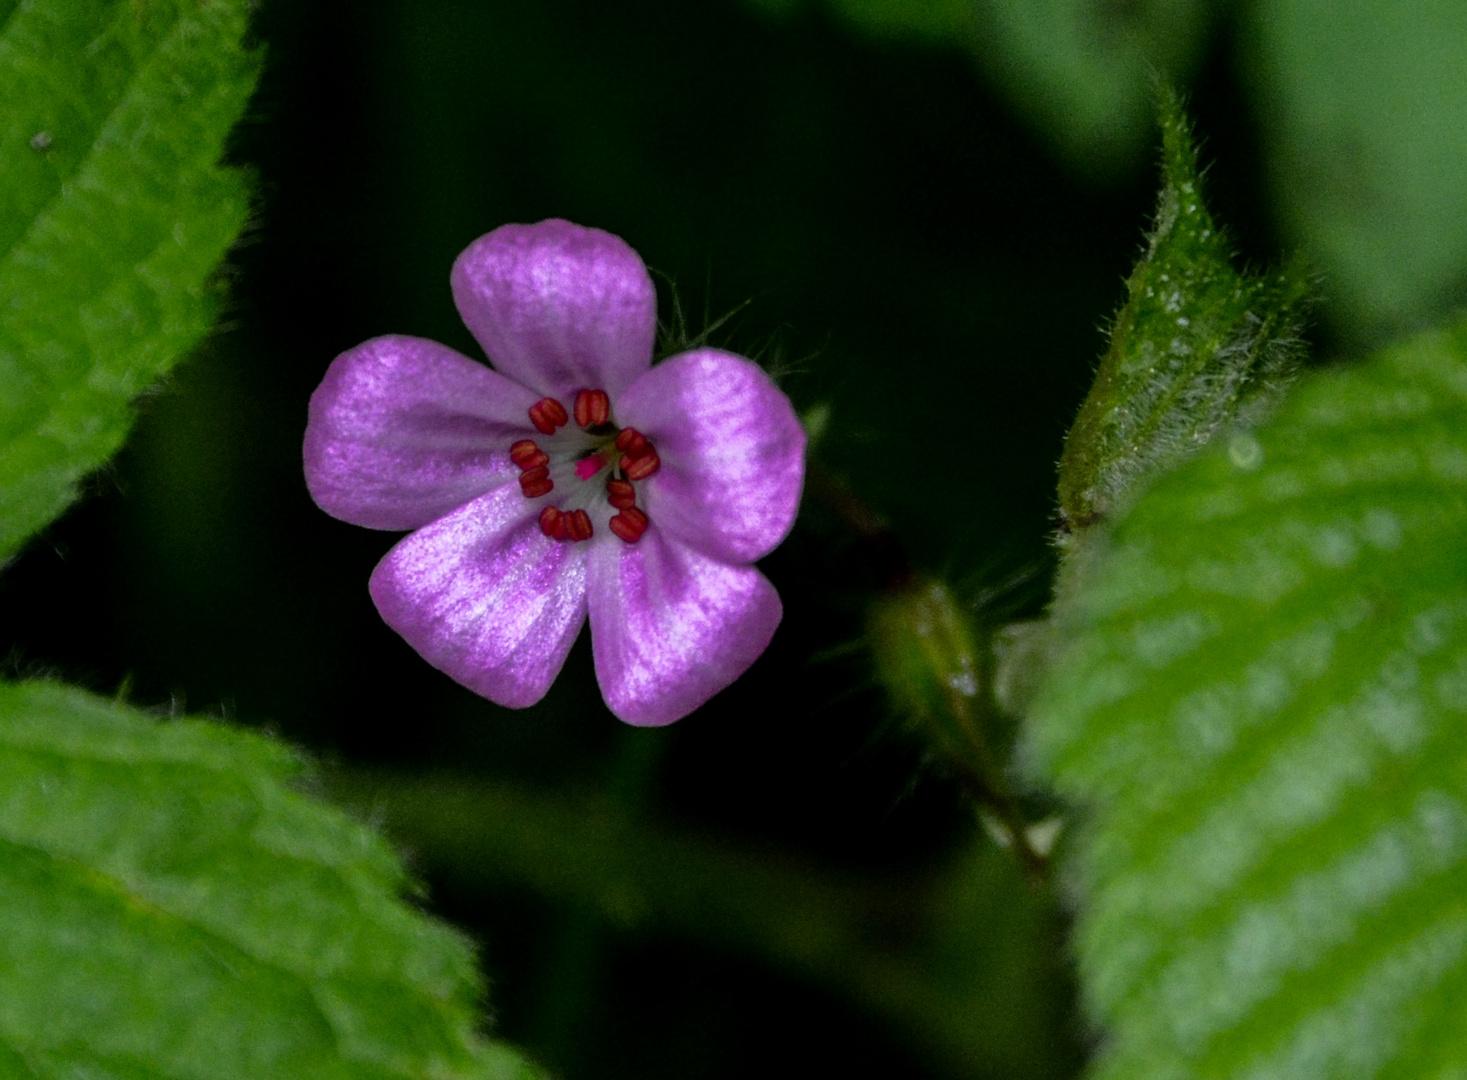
x=896 y=244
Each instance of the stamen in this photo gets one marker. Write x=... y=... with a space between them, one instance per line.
x=630 y=441
x=634 y=455
x=527 y=455
x=620 y=494
x=547 y=414
x=630 y=524
x=523 y=450
x=579 y=526
x=639 y=468
x=536 y=482
x=592 y=408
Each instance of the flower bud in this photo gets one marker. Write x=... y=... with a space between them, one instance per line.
x=927 y=657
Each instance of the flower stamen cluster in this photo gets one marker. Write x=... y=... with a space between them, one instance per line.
x=600 y=450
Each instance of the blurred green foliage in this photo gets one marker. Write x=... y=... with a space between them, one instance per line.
x=1359 y=108
x=949 y=964
x=114 y=214
x=1258 y=705
x=169 y=906
x=1082 y=72
x=1364 y=108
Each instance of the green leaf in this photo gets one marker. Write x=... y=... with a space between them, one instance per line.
x=1197 y=346
x=113 y=217
x=1260 y=710
x=171 y=907
x=1366 y=107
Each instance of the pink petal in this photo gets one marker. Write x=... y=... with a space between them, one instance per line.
x=558 y=307
x=732 y=450
x=485 y=598
x=402 y=430
x=671 y=627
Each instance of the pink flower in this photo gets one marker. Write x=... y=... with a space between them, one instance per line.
x=575 y=480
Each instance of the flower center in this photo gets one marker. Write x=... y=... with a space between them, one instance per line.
x=592 y=467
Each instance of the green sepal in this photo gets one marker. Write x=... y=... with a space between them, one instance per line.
x=1197 y=346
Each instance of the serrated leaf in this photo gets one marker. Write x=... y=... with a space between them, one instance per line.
x=1196 y=346
x=113 y=215
x=171 y=907
x=1366 y=107
x=1259 y=709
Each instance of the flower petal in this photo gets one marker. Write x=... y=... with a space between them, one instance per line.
x=671 y=627
x=732 y=450
x=403 y=430
x=485 y=598
x=558 y=307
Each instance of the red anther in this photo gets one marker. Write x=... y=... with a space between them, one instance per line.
x=536 y=482
x=639 y=468
x=547 y=414
x=592 y=407
x=620 y=494
x=562 y=527
x=522 y=451
x=549 y=519
x=532 y=460
x=631 y=441
x=630 y=524
x=579 y=526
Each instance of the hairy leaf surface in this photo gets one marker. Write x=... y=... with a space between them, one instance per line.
x=1196 y=345
x=1260 y=709
x=113 y=216
x=171 y=907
